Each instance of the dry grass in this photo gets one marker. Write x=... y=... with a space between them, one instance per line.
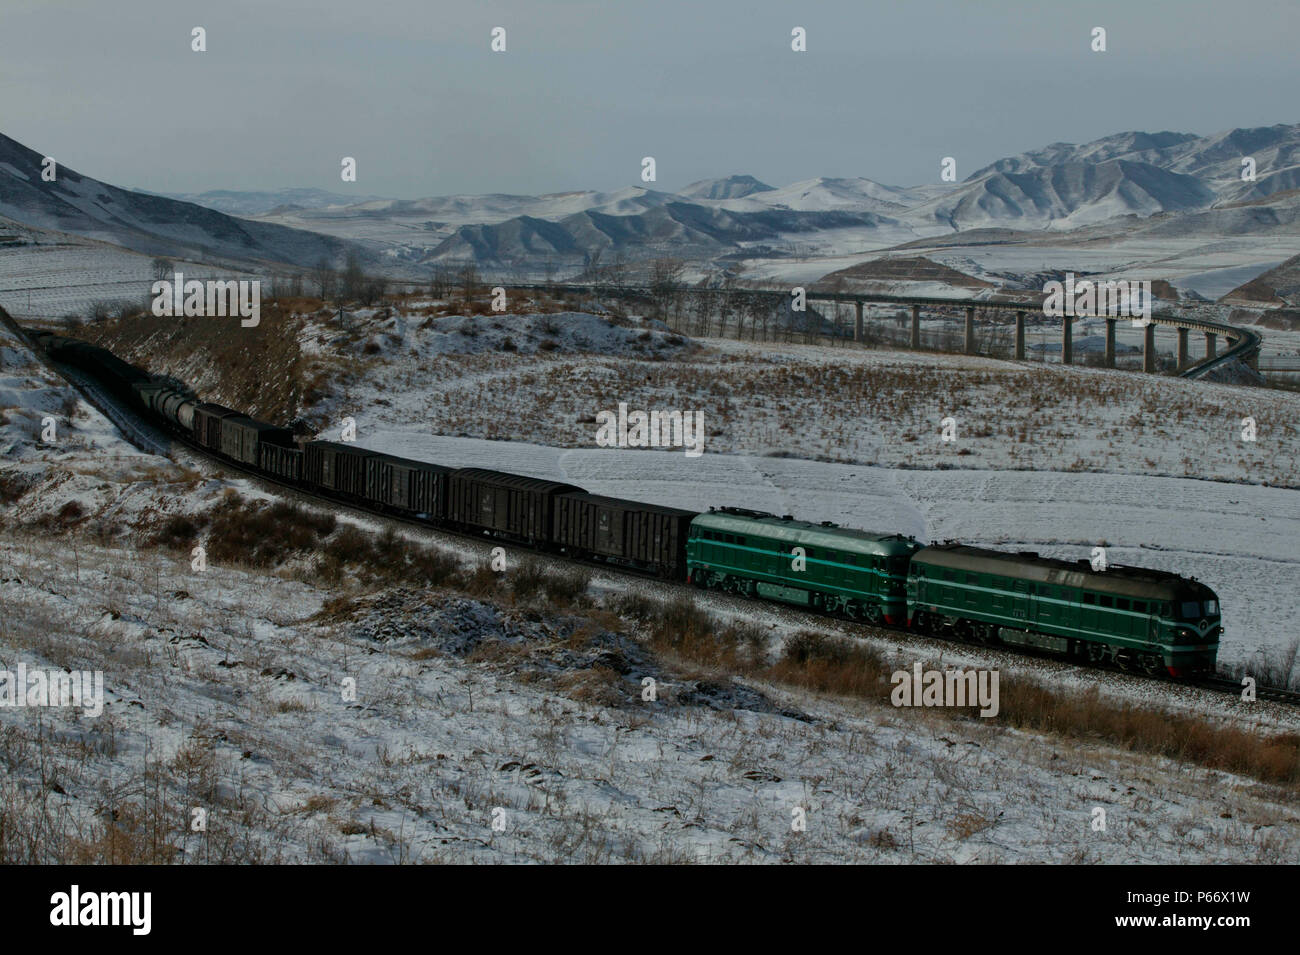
x=1085 y=714
x=826 y=664
x=261 y=371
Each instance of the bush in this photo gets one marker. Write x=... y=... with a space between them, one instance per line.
x=13 y=486
x=179 y=531
x=263 y=535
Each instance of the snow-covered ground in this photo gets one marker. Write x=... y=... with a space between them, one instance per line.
x=50 y=275
x=846 y=405
x=235 y=698
x=230 y=690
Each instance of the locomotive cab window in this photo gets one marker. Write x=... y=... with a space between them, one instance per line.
x=1211 y=608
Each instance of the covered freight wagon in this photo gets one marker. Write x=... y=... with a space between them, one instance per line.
x=207 y=424
x=505 y=505
x=645 y=536
x=336 y=467
x=285 y=462
x=414 y=486
x=241 y=437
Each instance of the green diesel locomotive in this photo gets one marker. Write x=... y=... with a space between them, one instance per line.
x=1138 y=619
x=823 y=566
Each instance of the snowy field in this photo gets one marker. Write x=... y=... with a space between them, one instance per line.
x=224 y=688
x=231 y=699
x=456 y=376
x=48 y=281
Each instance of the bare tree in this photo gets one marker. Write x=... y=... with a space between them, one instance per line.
x=163 y=268
x=468 y=279
x=616 y=273
x=373 y=289
x=325 y=277
x=354 y=277
x=444 y=280
x=665 y=274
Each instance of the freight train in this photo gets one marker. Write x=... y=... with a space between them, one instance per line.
x=1134 y=618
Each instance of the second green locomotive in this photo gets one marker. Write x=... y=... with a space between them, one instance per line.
x=837 y=569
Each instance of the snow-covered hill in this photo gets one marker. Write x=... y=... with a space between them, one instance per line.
x=1178 y=191
x=155 y=225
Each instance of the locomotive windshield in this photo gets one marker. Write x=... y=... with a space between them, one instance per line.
x=1194 y=610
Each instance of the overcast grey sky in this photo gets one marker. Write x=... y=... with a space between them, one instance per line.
x=708 y=87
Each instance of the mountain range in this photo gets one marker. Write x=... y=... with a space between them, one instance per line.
x=1163 y=184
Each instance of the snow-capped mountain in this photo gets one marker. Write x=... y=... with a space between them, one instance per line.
x=244 y=203
x=844 y=195
x=1069 y=194
x=1215 y=160
x=1177 y=184
x=86 y=207
x=680 y=229
x=729 y=187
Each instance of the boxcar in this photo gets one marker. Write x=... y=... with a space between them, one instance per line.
x=336 y=467
x=207 y=424
x=1134 y=617
x=839 y=569
x=285 y=462
x=413 y=486
x=503 y=505
x=241 y=437
x=645 y=536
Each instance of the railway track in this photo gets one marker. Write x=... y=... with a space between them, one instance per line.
x=151 y=439
x=1272 y=694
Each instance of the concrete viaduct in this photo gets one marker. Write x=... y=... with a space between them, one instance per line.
x=1242 y=343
